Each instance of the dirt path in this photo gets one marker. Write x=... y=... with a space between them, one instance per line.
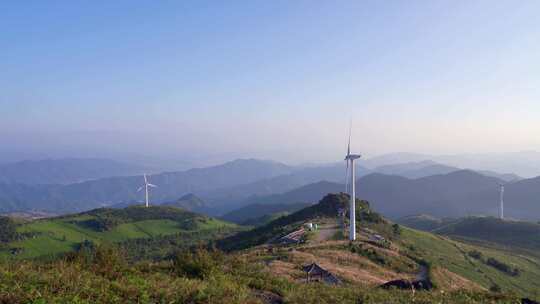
x=327 y=231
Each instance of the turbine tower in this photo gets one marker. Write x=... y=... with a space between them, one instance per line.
x=145 y=187
x=501 y=207
x=350 y=158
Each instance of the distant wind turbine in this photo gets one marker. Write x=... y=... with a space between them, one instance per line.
x=501 y=206
x=350 y=158
x=145 y=187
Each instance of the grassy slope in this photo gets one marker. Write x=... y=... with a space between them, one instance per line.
x=57 y=235
x=453 y=255
x=232 y=280
x=244 y=275
x=507 y=233
x=443 y=253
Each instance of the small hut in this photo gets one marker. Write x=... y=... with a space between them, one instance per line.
x=315 y=273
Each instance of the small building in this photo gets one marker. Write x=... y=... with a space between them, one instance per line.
x=294 y=237
x=315 y=273
x=377 y=238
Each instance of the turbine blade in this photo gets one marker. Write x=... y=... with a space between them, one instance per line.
x=349 y=144
x=145 y=179
x=140 y=188
x=152 y=185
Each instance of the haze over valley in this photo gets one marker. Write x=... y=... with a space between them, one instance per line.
x=270 y=152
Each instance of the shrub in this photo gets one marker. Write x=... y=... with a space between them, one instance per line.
x=200 y=264
x=475 y=254
x=396 y=229
x=104 y=259
x=100 y=224
x=8 y=230
x=495 y=288
x=369 y=253
x=503 y=267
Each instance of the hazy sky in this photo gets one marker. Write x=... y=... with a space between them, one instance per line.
x=270 y=79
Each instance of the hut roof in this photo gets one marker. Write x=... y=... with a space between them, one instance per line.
x=314 y=269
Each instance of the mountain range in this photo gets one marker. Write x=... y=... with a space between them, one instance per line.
x=64 y=171
x=524 y=163
x=251 y=213
x=455 y=194
x=121 y=189
x=440 y=190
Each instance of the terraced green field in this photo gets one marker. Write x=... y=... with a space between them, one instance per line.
x=57 y=235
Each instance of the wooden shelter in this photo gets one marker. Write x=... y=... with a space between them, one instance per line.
x=316 y=273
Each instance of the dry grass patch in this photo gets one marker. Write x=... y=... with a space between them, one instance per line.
x=449 y=281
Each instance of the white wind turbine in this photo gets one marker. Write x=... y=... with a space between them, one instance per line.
x=350 y=158
x=146 y=188
x=501 y=206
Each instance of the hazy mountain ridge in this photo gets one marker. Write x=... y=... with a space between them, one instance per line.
x=240 y=183
x=254 y=211
x=189 y=202
x=456 y=194
x=416 y=169
x=525 y=163
x=64 y=171
x=425 y=168
x=114 y=190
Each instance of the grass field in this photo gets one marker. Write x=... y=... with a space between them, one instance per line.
x=57 y=235
x=454 y=256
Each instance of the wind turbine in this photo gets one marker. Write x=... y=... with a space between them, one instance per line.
x=501 y=206
x=145 y=187
x=350 y=158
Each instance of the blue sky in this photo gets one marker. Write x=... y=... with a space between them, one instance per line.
x=270 y=79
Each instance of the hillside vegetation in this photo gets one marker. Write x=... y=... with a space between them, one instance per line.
x=62 y=234
x=384 y=252
x=504 y=232
x=492 y=231
x=258 y=268
x=424 y=222
x=102 y=276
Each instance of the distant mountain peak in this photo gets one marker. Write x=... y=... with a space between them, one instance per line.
x=189 y=202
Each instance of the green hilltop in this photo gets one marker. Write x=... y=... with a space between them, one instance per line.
x=53 y=236
x=489 y=231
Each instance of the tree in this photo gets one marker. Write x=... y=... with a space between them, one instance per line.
x=396 y=229
x=8 y=230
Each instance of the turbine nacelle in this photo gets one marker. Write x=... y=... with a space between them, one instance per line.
x=352 y=156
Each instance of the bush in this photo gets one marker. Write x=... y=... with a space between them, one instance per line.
x=475 y=254
x=369 y=253
x=495 y=288
x=503 y=267
x=200 y=264
x=396 y=229
x=100 y=224
x=105 y=259
x=8 y=230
